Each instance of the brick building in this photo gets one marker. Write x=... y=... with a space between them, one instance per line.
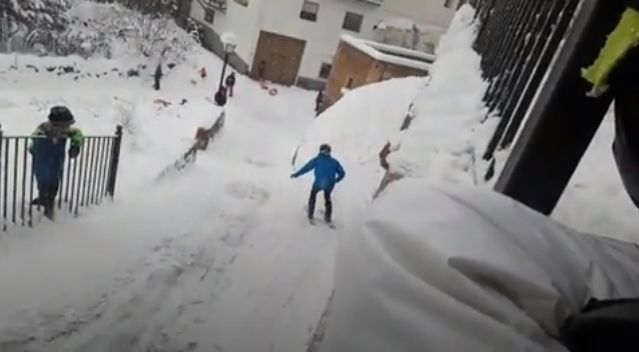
x=360 y=62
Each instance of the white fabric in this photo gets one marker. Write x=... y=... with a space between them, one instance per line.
x=467 y=270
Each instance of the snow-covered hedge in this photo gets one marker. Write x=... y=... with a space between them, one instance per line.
x=24 y=21
x=58 y=27
x=113 y=30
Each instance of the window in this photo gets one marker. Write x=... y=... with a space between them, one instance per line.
x=325 y=70
x=449 y=4
x=309 y=11
x=353 y=22
x=242 y=2
x=209 y=16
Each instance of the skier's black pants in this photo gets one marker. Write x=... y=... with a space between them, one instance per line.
x=328 y=203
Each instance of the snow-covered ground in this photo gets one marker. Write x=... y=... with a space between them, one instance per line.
x=220 y=257
x=595 y=200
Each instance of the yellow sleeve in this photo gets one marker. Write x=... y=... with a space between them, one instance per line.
x=623 y=38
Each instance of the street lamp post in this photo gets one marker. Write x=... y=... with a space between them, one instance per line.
x=230 y=43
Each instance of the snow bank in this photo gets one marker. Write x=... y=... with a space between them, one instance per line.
x=442 y=142
x=458 y=269
x=359 y=125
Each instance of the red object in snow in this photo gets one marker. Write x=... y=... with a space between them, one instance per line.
x=203 y=72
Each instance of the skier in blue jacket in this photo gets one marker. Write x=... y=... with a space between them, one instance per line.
x=48 y=147
x=328 y=172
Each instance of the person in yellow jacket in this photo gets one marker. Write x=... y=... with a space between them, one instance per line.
x=616 y=70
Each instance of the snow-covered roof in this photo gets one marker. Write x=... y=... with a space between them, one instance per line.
x=391 y=54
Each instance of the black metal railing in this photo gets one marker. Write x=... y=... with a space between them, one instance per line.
x=86 y=180
x=517 y=40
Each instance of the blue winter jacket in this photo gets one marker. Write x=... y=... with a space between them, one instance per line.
x=328 y=171
x=49 y=155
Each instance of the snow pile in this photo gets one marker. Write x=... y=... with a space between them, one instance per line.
x=441 y=143
x=359 y=125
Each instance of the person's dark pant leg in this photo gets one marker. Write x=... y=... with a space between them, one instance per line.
x=328 y=205
x=311 y=202
x=47 y=194
x=625 y=88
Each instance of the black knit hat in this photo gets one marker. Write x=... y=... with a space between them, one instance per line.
x=325 y=148
x=61 y=114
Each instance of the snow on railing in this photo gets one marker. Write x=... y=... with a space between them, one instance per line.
x=517 y=41
x=85 y=180
x=203 y=136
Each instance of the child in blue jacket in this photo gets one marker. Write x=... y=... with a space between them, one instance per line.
x=48 y=147
x=328 y=172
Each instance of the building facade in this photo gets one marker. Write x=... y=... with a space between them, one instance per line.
x=295 y=40
x=359 y=62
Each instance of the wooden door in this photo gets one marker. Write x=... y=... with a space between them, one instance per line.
x=276 y=68
x=282 y=55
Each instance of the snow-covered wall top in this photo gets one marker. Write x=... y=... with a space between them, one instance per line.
x=391 y=54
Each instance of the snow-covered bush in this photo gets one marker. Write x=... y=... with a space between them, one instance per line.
x=64 y=27
x=113 y=30
x=25 y=23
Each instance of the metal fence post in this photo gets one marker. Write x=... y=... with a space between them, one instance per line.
x=115 y=159
x=563 y=120
x=1 y=175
